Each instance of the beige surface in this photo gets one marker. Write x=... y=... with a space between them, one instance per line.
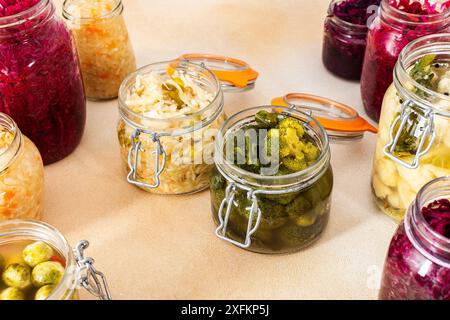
x=156 y=247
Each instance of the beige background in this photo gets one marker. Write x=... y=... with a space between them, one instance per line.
x=156 y=247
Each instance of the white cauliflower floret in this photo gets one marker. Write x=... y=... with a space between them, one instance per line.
x=444 y=86
x=387 y=172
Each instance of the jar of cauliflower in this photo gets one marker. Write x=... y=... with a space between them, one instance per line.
x=21 y=174
x=413 y=145
x=170 y=114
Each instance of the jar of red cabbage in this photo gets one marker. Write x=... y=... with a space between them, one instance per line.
x=398 y=23
x=40 y=80
x=345 y=36
x=418 y=262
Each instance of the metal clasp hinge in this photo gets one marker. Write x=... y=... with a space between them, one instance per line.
x=424 y=129
x=133 y=157
x=228 y=202
x=90 y=278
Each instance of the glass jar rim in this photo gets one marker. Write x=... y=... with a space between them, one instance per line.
x=65 y=249
x=123 y=108
x=117 y=10
x=401 y=71
x=12 y=151
x=386 y=7
x=419 y=204
x=27 y=15
x=363 y=28
x=245 y=177
x=419 y=230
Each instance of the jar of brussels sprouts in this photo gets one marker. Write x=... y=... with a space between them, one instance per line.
x=37 y=263
x=413 y=146
x=170 y=113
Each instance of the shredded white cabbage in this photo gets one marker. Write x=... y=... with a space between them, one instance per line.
x=22 y=183
x=163 y=97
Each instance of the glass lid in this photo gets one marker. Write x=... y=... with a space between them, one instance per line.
x=342 y=123
x=235 y=74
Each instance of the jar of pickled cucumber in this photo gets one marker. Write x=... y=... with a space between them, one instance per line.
x=272 y=186
x=170 y=114
x=413 y=145
x=37 y=263
x=104 y=47
x=21 y=174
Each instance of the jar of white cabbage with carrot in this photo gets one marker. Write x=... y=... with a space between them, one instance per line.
x=413 y=145
x=21 y=174
x=170 y=113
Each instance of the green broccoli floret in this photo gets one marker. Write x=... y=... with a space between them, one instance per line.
x=283 y=199
x=289 y=123
x=295 y=152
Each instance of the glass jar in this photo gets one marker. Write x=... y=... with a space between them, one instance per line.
x=345 y=37
x=271 y=214
x=390 y=32
x=413 y=113
x=21 y=175
x=104 y=47
x=79 y=270
x=175 y=155
x=40 y=80
x=418 y=263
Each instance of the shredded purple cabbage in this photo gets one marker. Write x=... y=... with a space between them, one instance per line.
x=437 y=214
x=12 y=7
x=355 y=11
x=405 y=275
x=385 y=43
x=41 y=86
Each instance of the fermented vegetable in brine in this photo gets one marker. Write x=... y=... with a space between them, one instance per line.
x=103 y=44
x=292 y=220
x=32 y=270
x=164 y=97
x=346 y=28
x=21 y=176
x=399 y=23
x=396 y=186
x=410 y=275
x=40 y=81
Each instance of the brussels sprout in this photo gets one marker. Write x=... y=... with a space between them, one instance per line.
x=44 y=292
x=49 y=272
x=12 y=294
x=36 y=253
x=17 y=275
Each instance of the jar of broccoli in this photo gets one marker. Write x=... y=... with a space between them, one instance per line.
x=271 y=189
x=37 y=263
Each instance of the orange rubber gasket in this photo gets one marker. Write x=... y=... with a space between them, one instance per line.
x=239 y=78
x=355 y=123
